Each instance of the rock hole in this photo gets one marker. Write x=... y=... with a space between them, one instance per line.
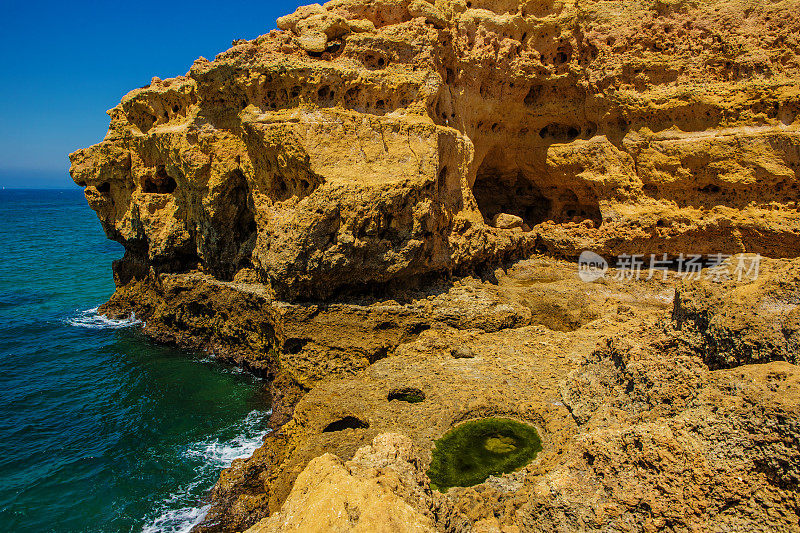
x=563 y=54
x=351 y=96
x=234 y=220
x=533 y=95
x=325 y=93
x=471 y=452
x=334 y=47
x=160 y=182
x=501 y=187
x=407 y=394
x=348 y=422
x=294 y=346
x=416 y=329
x=104 y=187
x=709 y=189
x=560 y=132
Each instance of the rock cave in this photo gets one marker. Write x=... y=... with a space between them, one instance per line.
x=347 y=422
x=501 y=186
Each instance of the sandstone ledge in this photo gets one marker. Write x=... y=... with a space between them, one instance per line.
x=614 y=374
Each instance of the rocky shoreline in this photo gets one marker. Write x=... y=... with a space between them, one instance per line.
x=622 y=381
x=383 y=197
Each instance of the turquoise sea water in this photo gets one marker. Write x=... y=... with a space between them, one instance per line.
x=101 y=430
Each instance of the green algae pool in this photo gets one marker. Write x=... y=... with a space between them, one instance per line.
x=471 y=452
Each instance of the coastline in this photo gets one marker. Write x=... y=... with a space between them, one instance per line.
x=542 y=347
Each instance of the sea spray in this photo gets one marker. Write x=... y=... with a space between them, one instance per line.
x=173 y=515
x=91 y=319
x=220 y=454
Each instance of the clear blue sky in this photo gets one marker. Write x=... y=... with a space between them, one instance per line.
x=65 y=63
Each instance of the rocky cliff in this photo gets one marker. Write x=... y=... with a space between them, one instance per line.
x=366 y=142
x=327 y=205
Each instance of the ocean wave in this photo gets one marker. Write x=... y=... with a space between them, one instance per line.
x=222 y=366
x=214 y=455
x=221 y=453
x=177 y=520
x=91 y=319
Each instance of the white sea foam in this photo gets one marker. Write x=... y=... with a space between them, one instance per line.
x=177 y=520
x=214 y=454
x=223 y=367
x=221 y=454
x=91 y=319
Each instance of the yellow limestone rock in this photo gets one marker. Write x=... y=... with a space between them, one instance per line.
x=289 y=22
x=420 y=8
x=313 y=41
x=368 y=142
x=360 y=26
x=506 y=221
x=319 y=162
x=332 y=25
x=328 y=498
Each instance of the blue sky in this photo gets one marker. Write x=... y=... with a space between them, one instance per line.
x=65 y=63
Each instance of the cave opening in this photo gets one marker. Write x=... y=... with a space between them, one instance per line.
x=347 y=422
x=243 y=228
x=407 y=394
x=160 y=182
x=501 y=186
x=230 y=237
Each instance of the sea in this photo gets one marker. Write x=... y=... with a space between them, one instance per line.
x=101 y=429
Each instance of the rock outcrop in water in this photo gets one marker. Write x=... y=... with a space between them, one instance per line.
x=327 y=204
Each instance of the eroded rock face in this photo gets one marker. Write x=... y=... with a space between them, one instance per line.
x=365 y=142
x=358 y=496
x=638 y=432
x=739 y=324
